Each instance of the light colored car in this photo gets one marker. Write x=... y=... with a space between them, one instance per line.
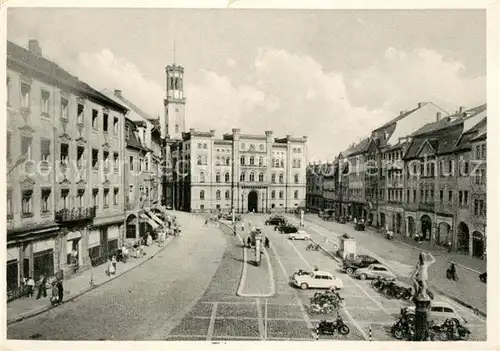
x=300 y=235
x=439 y=312
x=373 y=271
x=318 y=279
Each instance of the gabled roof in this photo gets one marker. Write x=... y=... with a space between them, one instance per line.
x=394 y=120
x=136 y=108
x=443 y=141
x=42 y=68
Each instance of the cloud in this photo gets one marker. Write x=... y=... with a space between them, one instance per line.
x=231 y=62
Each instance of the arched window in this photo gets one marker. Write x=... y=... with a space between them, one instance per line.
x=273 y=194
x=252 y=177
x=252 y=160
x=242 y=160
x=298 y=163
x=273 y=178
x=281 y=194
x=282 y=163
x=296 y=178
x=217 y=177
x=261 y=177
x=296 y=194
x=294 y=162
x=226 y=177
x=227 y=161
x=242 y=177
x=261 y=161
x=281 y=178
x=202 y=177
x=202 y=195
x=227 y=195
x=217 y=162
x=199 y=160
x=217 y=194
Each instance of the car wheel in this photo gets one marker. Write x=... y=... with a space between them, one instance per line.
x=344 y=330
x=292 y=238
x=304 y=286
x=399 y=334
x=349 y=270
x=362 y=276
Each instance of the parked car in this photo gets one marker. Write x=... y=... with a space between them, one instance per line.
x=286 y=228
x=361 y=261
x=439 y=312
x=275 y=220
x=318 y=279
x=374 y=270
x=300 y=235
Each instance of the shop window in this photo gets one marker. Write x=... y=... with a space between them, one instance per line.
x=43 y=263
x=12 y=275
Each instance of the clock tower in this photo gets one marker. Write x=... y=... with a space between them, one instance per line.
x=175 y=121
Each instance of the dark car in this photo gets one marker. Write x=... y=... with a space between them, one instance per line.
x=361 y=261
x=275 y=220
x=286 y=228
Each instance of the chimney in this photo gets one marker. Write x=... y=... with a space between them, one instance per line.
x=420 y=104
x=438 y=116
x=461 y=109
x=34 y=47
x=401 y=112
x=118 y=93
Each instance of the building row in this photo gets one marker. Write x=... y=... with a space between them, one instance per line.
x=422 y=174
x=84 y=169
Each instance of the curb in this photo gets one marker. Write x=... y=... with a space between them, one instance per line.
x=270 y=268
x=46 y=308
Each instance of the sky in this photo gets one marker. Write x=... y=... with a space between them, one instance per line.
x=330 y=75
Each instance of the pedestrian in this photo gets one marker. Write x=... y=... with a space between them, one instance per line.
x=60 y=290
x=266 y=243
x=42 y=288
x=55 y=294
x=111 y=268
x=31 y=286
x=206 y=221
x=113 y=261
x=249 y=242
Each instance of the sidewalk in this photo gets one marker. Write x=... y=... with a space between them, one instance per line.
x=23 y=308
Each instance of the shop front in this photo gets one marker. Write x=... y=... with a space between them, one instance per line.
x=13 y=272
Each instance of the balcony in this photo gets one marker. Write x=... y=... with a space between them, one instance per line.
x=76 y=214
x=428 y=206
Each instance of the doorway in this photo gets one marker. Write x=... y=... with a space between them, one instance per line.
x=252 y=201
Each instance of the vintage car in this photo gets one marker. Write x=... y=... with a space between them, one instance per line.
x=373 y=271
x=299 y=235
x=275 y=220
x=317 y=279
x=361 y=261
x=286 y=228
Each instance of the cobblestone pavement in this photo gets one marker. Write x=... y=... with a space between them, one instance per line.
x=402 y=259
x=221 y=315
x=143 y=302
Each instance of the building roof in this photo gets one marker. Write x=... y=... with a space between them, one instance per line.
x=442 y=141
x=43 y=68
x=135 y=107
x=399 y=117
x=132 y=140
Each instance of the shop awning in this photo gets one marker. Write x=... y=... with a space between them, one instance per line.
x=155 y=218
x=150 y=221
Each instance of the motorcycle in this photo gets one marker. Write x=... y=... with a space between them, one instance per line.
x=329 y=328
x=451 y=329
x=379 y=283
x=312 y=247
x=451 y=275
x=482 y=277
x=407 y=294
x=404 y=327
x=323 y=309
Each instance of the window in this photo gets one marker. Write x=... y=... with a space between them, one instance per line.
x=466 y=198
x=131 y=162
x=95 y=198
x=115 y=125
x=478 y=151
x=483 y=151
x=217 y=195
x=466 y=168
x=450 y=196
x=204 y=146
x=296 y=194
x=79 y=114
x=217 y=177
x=281 y=195
x=226 y=194
x=242 y=177
x=45 y=149
x=25 y=95
x=460 y=197
x=414 y=195
x=227 y=161
x=26 y=147
x=261 y=161
x=296 y=178
x=64 y=108
x=80 y=198
x=482 y=173
x=281 y=178
x=273 y=178
x=261 y=177
x=407 y=195
x=273 y=194
x=10 y=207
x=177 y=128
x=115 y=161
x=252 y=177
x=441 y=195
x=105 y=118
x=64 y=199
x=199 y=160
x=115 y=196
x=64 y=154
x=282 y=163
x=202 y=195
x=226 y=177
x=95 y=158
x=95 y=114
x=106 y=198
x=105 y=157
x=45 y=205
x=252 y=160
x=127 y=132
x=45 y=102
x=242 y=160
x=202 y=177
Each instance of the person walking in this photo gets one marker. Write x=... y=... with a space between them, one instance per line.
x=249 y=242
x=31 y=286
x=111 y=268
x=113 y=262
x=60 y=290
x=54 y=300
x=266 y=243
x=42 y=288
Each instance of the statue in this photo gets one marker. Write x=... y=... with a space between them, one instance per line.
x=420 y=275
